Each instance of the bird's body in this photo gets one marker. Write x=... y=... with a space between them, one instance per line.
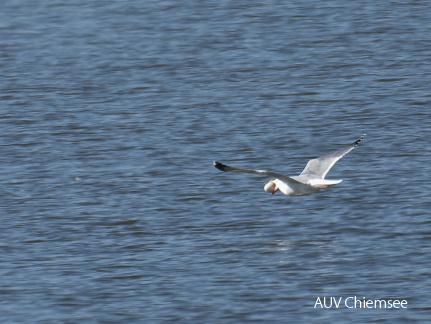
x=311 y=179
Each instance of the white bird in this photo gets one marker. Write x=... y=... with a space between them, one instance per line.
x=311 y=179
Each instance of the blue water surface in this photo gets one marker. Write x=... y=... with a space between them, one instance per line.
x=113 y=111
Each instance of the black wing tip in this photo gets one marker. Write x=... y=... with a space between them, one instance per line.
x=219 y=165
x=356 y=143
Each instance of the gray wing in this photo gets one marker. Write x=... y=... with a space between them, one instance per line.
x=318 y=168
x=227 y=168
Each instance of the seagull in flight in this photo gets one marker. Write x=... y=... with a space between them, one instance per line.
x=311 y=179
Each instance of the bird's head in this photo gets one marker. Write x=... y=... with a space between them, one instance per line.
x=271 y=187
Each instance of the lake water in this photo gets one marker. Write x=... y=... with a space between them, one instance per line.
x=113 y=111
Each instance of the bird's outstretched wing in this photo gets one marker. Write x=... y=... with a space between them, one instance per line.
x=227 y=168
x=318 y=168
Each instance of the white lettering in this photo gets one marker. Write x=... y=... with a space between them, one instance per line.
x=324 y=302
x=380 y=303
x=327 y=303
x=335 y=302
x=346 y=304
x=360 y=303
x=354 y=302
x=318 y=302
